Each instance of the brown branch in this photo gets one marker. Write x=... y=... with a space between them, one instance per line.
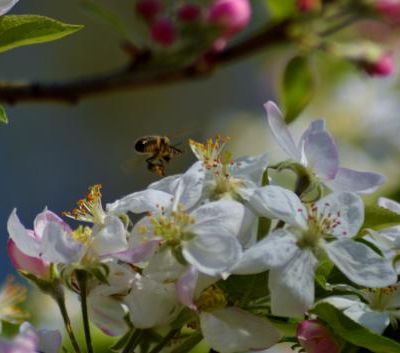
x=145 y=73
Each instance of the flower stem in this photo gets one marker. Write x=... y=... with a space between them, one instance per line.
x=81 y=277
x=60 y=300
x=134 y=340
x=164 y=341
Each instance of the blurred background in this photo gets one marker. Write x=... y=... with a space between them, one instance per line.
x=50 y=153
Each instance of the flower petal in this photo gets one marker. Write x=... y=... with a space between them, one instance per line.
x=190 y=187
x=292 y=285
x=212 y=254
x=186 y=286
x=25 y=242
x=109 y=237
x=320 y=151
x=223 y=217
x=231 y=330
x=389 y=204
x=139 y=253
x=355 y=181
x=277 y=202
x=167 y=184
x=49 y=341
x=23 y=262
x=361 y=264
x=140 y=202
x=152 y=304
x=58 y=246
x=41 y=220
x=6 y=5
x=273 y=251
x=347 y=207
x=280 y=131
x=250 y=168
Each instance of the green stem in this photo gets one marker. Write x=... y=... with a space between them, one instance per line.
x=60 y=300
x=81 y=277
x=164 y=341
x=189 y=343
x=134 y=340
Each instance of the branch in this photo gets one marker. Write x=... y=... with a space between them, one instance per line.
x=143 y=74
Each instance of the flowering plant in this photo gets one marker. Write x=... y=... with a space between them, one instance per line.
x=224 y=253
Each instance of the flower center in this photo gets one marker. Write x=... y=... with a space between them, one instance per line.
x=89 y=209
x=379 y=298
x=82 y=234
x=321 y=223
x=172 y=227
x=211 y=298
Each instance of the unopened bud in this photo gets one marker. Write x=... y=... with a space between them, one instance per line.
x=314 y=337
x=389 y=9
x=163 y=32
x=148 y=9
x=231 y=15
x=384 y=66
x=189 y=12
x=308 y=5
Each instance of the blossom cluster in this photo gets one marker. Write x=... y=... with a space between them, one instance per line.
x=221 y=252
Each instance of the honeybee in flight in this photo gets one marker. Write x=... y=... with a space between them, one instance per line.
x=159 y=150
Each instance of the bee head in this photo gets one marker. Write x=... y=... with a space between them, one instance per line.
x=140 y=145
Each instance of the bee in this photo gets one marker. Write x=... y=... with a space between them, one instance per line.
x=160 y=151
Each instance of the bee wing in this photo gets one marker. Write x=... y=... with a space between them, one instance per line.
x=130 y=165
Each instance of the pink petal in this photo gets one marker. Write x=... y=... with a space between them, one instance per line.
x=23 y=262
x=316 y=338
x=186 y=287
x=138 y=253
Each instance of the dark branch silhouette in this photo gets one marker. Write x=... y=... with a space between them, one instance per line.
x=142 y=72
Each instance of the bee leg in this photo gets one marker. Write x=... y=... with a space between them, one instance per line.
x=166 y=158
x=176 y=150
x=151 y=159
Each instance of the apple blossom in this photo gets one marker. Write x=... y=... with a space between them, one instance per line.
x=292 y=253
x=318 y=152
x=379 y=307
x=163 y=32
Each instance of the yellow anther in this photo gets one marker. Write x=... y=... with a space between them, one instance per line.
x=211 y=298
x=82 y=234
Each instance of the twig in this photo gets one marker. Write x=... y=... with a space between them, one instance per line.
x=145 y=74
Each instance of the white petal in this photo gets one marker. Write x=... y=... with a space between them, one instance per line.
x=49 y=341
x=24 y=240
x=107 y=313
x=223 y=217
x=355 y=181
x=190 y=186
x=6 y=5
x=320 y=151
x=167 y=184
x=273 y=251
x=250 y=168
x=280 y=130
x=360 y=264
x=231 y=330
x=109 y=237
x=389 y=204
x=292 y=285
x=58 y=246
x=212 y=254
x=360 y=312
x=140 y=202
x=41 y=220
x=164 y=267
x=347 y=207
x=186 y=286
x=277 y=202
x=152 y=304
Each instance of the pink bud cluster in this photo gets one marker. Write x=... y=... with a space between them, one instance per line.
x=314 y=337
x=165 y=24
x=308 y=5
x=389 y=9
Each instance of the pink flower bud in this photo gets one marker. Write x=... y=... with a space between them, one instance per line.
x=384 y=66
x=30 y=264
x=390 y=9
x=231 y=15
x=163 y=32
x=316 y=338
x=308 y=5
x=148 y=9
x=189 y=12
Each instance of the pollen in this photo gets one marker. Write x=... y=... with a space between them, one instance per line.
x=82 y=234
x=88 y=209
x=210 y=152
x=211 y=298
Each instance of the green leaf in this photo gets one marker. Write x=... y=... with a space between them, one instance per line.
x=352 y=332
x=20 y=30
x=281 y=9
x=378 y=217
x=297 y=87
x=3 y=115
